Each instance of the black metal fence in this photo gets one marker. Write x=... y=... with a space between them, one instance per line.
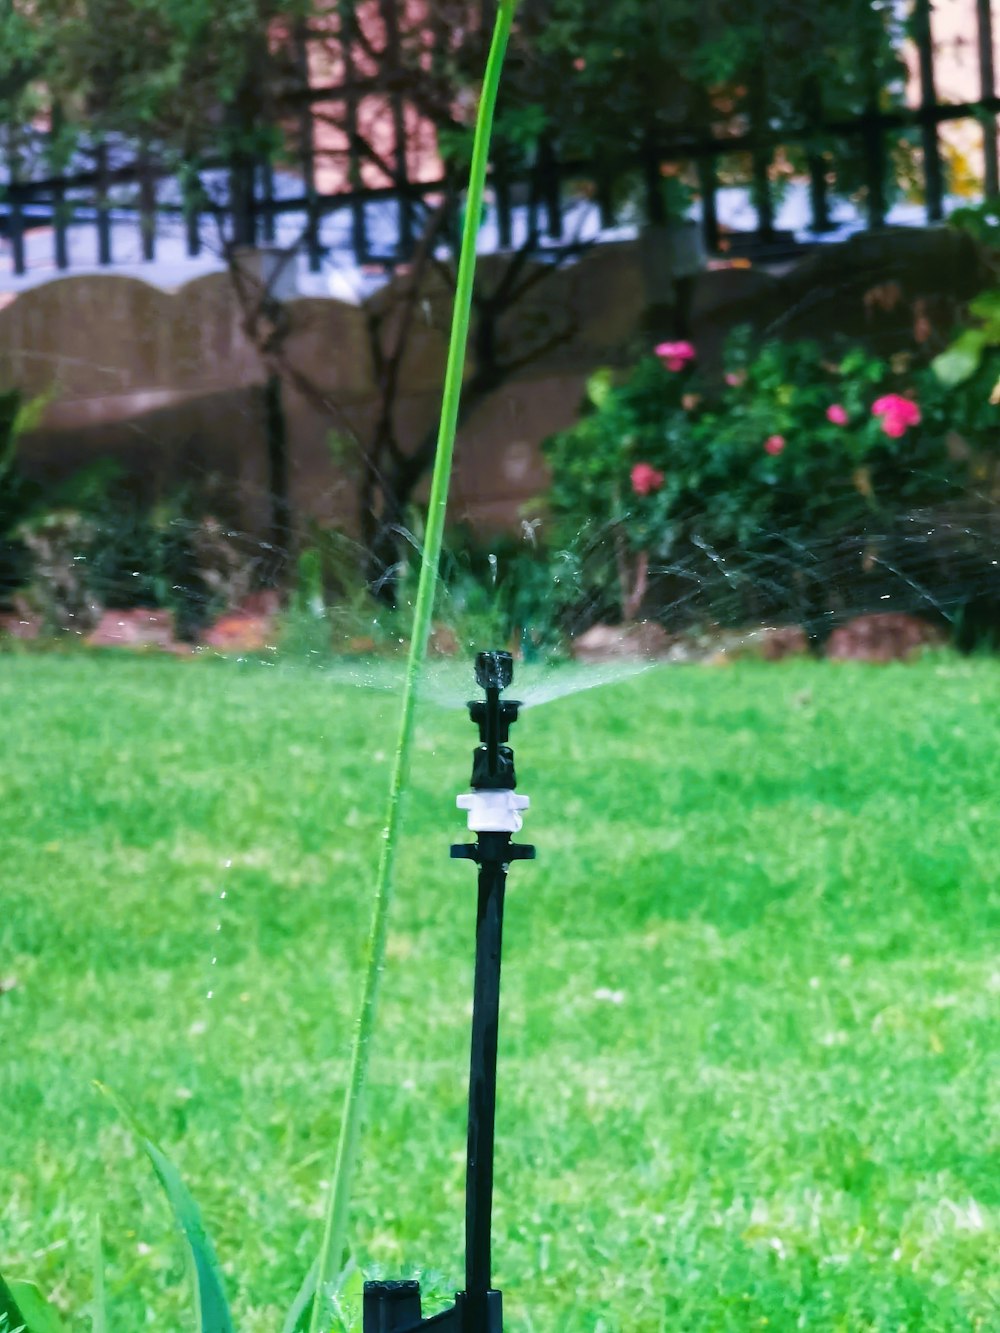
x=249 y=208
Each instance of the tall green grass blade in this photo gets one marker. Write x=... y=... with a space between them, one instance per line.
x=298 y=1314
x=334 y=1244
x=99 y=1311
x=11 y=1318
x=26 y=1308
x=210 y=1302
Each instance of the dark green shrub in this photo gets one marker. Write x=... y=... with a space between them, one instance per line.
x=18 y=495
x=98 y=548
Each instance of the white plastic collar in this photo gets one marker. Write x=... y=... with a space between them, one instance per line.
x=493 y=811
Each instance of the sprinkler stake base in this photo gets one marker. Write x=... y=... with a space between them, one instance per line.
x=394 y=1307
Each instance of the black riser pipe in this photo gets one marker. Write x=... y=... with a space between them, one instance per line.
x=482 y=1091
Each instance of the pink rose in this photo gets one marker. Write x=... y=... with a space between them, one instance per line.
x=896 y=413
x=837 y=414
x=646 y=479
x=675 y=356
x=774 y=444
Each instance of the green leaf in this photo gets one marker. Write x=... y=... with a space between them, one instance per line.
x=986 y=305
x=297 y=1318
x=29 y=414
x=599 y=386
x=212 y=1310
x=11 y=1318
x=961 y=360
x=30 y=1308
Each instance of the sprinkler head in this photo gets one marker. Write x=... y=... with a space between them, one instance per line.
x=493 y=760
x=494 y=670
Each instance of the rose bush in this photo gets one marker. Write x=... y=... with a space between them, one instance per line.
x=782 y=486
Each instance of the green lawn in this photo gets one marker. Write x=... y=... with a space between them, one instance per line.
x=751 y=992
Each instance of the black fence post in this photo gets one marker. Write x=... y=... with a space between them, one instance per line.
x=761 y=153
x=14 y=200
x=147 y=206
x=404 y=204
x=819 y=197
x=192 y=210
x=59 y=206
x=708 y=184
x=872 y=128
x=708 y=180
x=59 y=226
x=267 y=201
x=307 y=151
x=242 y=200
x=534 y=205
x=501 y=193
x=452 y=201
x=656 y=204
x=103 y=205
x=604 y=190
x=17 y=230
x=987 y=89
x=875 y=164
x=359 y=223
x=933 y=172
x=549 y=186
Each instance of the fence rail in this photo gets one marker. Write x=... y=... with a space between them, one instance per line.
x=251 y=208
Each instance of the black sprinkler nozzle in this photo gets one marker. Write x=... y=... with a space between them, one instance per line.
x=494 y=670
x=493 y=760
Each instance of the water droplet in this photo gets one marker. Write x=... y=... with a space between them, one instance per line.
x=209 y=994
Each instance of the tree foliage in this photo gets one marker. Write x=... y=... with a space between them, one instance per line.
x=600 y=80
x=185 y=77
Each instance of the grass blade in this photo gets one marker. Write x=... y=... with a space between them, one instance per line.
x=24 y=1307
x=212 y=1309
x=333 y=1250
x=298 y=1314
x=11 y=1318
x=99 y=1311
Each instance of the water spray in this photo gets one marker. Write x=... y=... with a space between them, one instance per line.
x=494 y=814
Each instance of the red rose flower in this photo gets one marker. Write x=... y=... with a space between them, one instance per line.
x=646 y=479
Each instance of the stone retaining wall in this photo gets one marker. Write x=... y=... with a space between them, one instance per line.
x=168 y=383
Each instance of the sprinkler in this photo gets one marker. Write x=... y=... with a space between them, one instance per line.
x=494 y=814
